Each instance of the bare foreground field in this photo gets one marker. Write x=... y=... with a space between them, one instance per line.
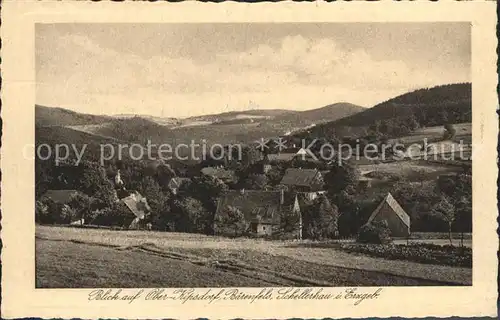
x=86 y=258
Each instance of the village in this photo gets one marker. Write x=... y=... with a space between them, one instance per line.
x=276 y=196
x=265 y=208
x=347 y=184
x=272 y=194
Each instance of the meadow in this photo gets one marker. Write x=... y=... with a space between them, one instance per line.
x=416 y=170
x=84 y=258
x=463 y=130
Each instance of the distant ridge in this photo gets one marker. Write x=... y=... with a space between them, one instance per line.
x=330 y=112
x=228 y=127
x=46 y=116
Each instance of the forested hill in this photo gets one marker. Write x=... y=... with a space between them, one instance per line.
x=426 y=104
x=439 y=105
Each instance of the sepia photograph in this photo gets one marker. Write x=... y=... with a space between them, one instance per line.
x=214 y=155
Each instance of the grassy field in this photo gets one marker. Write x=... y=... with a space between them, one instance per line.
x=410 y=170
x=72 y=257
x=435 y=133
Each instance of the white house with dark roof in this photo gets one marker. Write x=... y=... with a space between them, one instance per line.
x=138 y=205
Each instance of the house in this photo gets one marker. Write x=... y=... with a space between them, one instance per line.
x=227 y=176
x=291 y=154
x=263 y=211
x=281 y=157
x=303 y=154
x=62 y=196
x=175 y=183
x=138 y=206
x=303 y=180
x=395 y=216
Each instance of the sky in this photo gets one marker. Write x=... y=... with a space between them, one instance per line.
x=182 y=70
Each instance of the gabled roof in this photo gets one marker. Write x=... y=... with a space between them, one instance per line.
x=300 y=177
x=220 y=173
x=396 y=208
x=256 y=205
x=176 y=182
x=137 y=204
x=281 y=156
x=61 y=196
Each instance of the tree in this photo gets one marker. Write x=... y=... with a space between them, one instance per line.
x=320 y=219
x=464 y=217
x=443 y=116
x=349 y=219
x=41 y=211
x=164 y=173
x=206 y=189
x=117 y=215
x=158 y=201
x=66 y=214
x=376 y=232
x=44 y=176
x=449 y=131
x=191 y=216
x=290 y=222
x=340 y=178
x=50 y=212
x=458 y=189
x=249 y=155
x=412 y=122
x=83 y=206
x=446 y=211
x=255 y=182
x=95 y=183
x=275 y=175
x=231 y=216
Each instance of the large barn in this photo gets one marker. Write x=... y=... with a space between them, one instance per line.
x=263 y=211
x=397 y=219
x=303 y=180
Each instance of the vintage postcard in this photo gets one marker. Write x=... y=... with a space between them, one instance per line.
x=287 y=160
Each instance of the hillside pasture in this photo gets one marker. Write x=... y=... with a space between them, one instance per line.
x=410 y=170
x=73 y=257
x=436 y=133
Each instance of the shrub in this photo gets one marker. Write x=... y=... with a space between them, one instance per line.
x=418 y=252
x=49 y=212
x=375 y=232
x=41 y=212
x=449 y=132
x=118 y=216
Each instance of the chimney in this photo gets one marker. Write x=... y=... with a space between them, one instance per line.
x=282 y=196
